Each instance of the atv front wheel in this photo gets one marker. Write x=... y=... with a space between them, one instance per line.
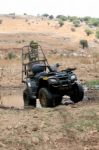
x=45 y=97
x=77 y=93
x=27 y=100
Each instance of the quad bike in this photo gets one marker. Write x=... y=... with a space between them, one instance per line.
x=45 y=83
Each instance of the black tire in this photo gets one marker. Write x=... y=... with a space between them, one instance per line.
x=46 y=98
x=77 y=93
x=27 y=100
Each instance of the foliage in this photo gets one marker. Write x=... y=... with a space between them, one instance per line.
x=93 y=22
x=87 y=19
x=62 y=17
x=92 y=83
x=11 y=55
x=97 y=34
x=61 y=23
x=76 y=23
x=45 y=15
x=88 y=31
x=83 y=43
x=72 y=18
x=51 y=17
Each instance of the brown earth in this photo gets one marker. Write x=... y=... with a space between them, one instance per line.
x=71 y=127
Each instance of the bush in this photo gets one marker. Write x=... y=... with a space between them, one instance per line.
x=45 y=15
x=87 y=19
x=51 y=17
x=76 y=23
x=97 y=34
x=73 y=29
x=93 y=22
x=11 y=55
x=83 y=43
x=61 y=23
x=62 y=17
x=88 y=31
x=73 y=18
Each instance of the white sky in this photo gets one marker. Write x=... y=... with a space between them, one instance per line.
x=54 y=7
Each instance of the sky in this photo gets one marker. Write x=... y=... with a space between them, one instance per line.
x=52 y=7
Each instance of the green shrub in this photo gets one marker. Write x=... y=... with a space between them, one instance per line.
x=72 y=18
x=88 y=31
x=45 y=15
x=92 y=83
x=61 y=23
x=62 y=17
x=84 y=43
x=11 y=55
x=97 y=34
x=76 y=23
x=93 y=22
x=87 y=19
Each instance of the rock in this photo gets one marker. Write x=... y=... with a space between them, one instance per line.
x=66 y=100
x=35 y=140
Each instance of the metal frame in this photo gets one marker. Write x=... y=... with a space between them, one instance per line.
x=25 y=66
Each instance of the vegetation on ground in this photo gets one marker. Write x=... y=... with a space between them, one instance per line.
x=76 y=23
x=11 y=55
x=92 y=83
x=97 y=34
x=84 y=43
x=88 y=31
x=61 y=23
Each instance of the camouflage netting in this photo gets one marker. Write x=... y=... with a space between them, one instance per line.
x=33 y=54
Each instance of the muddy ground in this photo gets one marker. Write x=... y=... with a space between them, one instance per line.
x=71 y=127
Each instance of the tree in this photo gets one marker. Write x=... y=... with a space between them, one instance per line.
x=61 y=23
x=88 y=31
x=62 y=17
x=51 y=17
x=84 y=43
x=45 y=15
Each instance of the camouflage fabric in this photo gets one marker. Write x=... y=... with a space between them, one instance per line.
x=33 y=53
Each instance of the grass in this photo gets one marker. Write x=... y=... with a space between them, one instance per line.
x=92 y=84
x=86 y=120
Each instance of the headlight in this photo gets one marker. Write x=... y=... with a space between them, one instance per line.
x=29 y=84
x=52 y=80
x=73 y=77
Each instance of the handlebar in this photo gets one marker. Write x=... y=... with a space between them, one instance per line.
x=69 y=69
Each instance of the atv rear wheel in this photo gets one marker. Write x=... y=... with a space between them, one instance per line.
x=27 y=100
x=46 y=98
x=77 y=93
